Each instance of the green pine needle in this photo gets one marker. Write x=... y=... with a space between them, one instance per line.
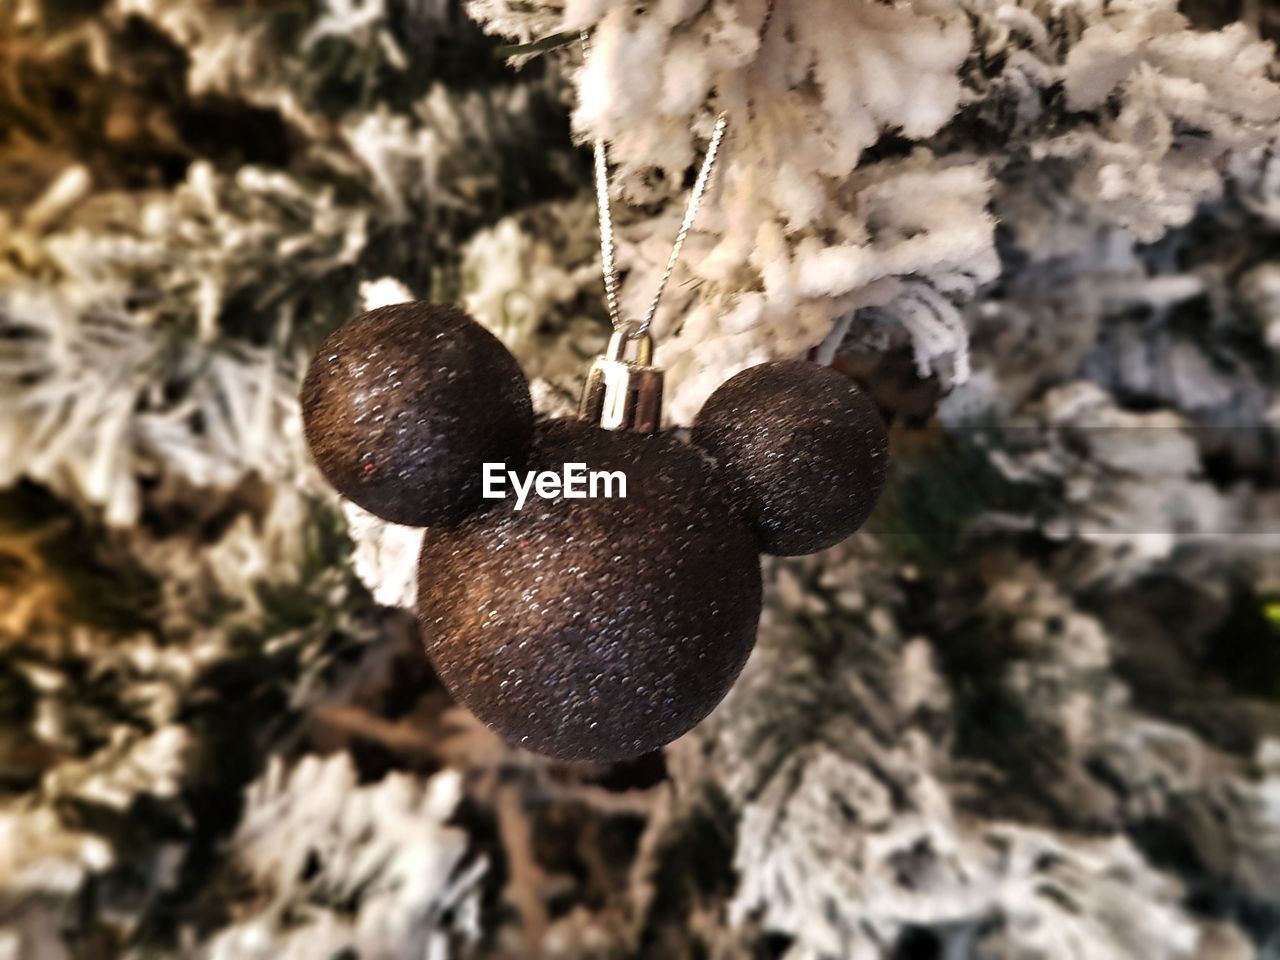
x=553 y=42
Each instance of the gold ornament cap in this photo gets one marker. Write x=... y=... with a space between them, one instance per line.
x=622 y=394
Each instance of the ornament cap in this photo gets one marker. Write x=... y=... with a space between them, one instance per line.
x=622 y=394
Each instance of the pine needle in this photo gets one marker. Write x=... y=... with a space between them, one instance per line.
x=553 y=42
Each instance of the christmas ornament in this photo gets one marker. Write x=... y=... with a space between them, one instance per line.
x=587 y=627
x=404 y=404
x=582 y=626
x=804 y=452
x=595 y=629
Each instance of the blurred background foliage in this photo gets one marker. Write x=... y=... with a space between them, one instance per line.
x=215 y=743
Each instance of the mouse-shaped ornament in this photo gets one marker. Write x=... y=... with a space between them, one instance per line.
x=587 y=628
x=592 y=629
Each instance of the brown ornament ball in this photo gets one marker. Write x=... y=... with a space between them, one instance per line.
x=402 y=405
x=803 y=449
x=594 y=629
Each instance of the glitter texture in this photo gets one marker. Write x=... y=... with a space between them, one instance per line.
x=595 y=629
x=803 y=451
x=403 y=404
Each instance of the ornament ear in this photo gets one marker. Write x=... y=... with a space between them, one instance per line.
x=403 y=405
x=803 y=452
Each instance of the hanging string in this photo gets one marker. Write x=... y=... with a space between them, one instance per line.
x=606 y=234
x=607 y=263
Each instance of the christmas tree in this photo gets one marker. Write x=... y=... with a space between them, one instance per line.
x=1032 y=710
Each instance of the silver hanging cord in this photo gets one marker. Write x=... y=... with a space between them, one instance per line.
x=606 y=219
x=691 y=211
x=606 y=235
